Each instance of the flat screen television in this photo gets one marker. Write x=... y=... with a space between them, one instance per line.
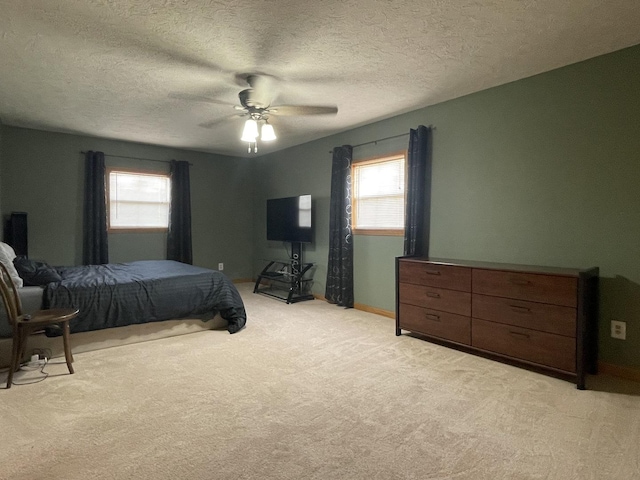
x=289 y=219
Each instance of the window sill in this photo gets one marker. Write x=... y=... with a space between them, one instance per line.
x=137 y=230
x=378 y=232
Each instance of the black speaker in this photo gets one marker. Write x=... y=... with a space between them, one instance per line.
x=16 y=233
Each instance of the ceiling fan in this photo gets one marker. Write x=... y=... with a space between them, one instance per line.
x=255 y=103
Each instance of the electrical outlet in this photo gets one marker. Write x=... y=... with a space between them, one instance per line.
x=221 y=266
x=618 y=329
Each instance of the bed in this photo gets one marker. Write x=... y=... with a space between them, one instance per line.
x=120 y=294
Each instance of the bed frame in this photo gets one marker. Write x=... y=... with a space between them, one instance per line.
x=113 y=337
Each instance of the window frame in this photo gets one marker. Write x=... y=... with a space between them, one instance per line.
x=110 y=228
x=395 y=232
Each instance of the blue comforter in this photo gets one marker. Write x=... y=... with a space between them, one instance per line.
x=119 y=294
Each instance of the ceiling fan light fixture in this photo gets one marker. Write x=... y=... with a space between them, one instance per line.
x=250 y=131
x=268 y=134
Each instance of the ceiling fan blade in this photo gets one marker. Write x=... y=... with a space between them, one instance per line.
x=218 y=121
x=286 y=110
x=196 y=98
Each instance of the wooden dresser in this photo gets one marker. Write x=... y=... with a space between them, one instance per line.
x=538 y=316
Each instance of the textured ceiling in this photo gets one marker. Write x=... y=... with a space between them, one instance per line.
x=112 y=68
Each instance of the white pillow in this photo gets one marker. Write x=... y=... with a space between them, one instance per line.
x=7 y=254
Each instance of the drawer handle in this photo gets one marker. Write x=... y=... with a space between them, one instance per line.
x=432 y=316
x=519 y=281
x=520 y=309
x=520 y=334
x=433 y=295
x=432 y=272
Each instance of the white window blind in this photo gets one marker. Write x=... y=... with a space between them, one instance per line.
x=138 y=200
x=379 y=194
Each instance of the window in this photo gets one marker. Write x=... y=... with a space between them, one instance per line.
x=138 y=200
x=378 y=195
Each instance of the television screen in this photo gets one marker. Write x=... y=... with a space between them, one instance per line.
x=289 y=219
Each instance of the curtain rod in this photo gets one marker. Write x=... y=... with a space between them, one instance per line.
x=137 y=158
x=380 y=140
x=383 y=139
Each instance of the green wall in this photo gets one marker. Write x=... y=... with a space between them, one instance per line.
x=42 y=174
x=543 y=171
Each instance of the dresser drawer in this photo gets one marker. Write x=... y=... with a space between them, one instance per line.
x=536 y=316
x=450 y=301
x=557 y=290
x=448 y=326
x=434 y=275
x=554 y=351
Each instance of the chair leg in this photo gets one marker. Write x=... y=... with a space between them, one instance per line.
x=23 y=344
x=15 y=354
x=67 y=346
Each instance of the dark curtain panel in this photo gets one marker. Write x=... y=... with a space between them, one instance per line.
x=94 y=228
x=179 y=237
x=418 y=213
x=339 y=289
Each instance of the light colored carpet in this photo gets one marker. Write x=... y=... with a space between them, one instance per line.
x=312 y=391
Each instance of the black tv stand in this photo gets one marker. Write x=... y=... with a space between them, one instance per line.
x=285 y=280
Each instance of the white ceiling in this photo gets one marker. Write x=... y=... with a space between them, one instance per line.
x=107 y=68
